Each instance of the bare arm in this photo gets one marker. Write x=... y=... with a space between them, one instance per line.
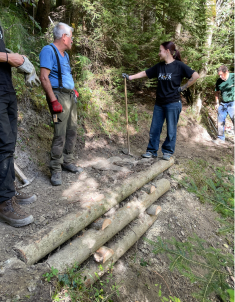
x=191 y=81
x=139 y=75
x=217 y=93
x=14 y=59
x=46 y=84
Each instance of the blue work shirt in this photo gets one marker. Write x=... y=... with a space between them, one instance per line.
x=48 y=60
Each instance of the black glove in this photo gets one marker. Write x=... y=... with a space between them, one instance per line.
x=179 y=89
x=124 y=75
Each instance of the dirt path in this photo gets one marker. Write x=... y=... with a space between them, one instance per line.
x=182 y=214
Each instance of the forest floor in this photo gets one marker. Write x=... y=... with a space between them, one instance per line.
x=182 y=213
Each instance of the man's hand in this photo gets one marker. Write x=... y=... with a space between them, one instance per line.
x=124 y=75
x=56 y=107
x=15 y=60
x=216 y=106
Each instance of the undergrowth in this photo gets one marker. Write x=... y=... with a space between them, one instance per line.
x=206 y=266
x=70 y=286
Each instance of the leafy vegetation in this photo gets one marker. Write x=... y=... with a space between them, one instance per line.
x=71 y=285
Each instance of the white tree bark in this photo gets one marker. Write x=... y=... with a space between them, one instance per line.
x=53 y=235
x=92 y=273
x=81 y=248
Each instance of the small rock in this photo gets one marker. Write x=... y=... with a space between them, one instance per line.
x=41 y=219
x=31 y=288
x=64 y=198
x=182 y=233
x=2 y=271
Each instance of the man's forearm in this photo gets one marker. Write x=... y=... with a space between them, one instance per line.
x=46 y=84
x=139 y=75
x=3 y=57
x=216 y=98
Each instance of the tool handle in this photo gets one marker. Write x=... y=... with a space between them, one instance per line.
x=55 y=119
x=20 y=174
x=127 y=126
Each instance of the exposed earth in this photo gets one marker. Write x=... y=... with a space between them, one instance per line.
x=182 y=213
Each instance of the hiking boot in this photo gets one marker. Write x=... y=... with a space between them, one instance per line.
x=56 y=179
x=72 y=168
x=23 y=198
x=148 y=155
x=11 y=213
x=166 y=156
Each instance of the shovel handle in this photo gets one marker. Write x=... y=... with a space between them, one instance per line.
x=127 y=126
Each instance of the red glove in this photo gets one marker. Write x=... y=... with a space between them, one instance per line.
x=76 y=93
x=56 y=107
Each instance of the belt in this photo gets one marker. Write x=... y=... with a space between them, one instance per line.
x=63 y=90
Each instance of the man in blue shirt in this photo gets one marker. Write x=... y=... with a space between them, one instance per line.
x=57 y=81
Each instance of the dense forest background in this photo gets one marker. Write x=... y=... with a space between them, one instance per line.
x=118 y=36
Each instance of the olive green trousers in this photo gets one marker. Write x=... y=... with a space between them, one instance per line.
x=65 y=131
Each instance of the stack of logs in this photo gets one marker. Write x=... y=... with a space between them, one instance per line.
x=102 y=230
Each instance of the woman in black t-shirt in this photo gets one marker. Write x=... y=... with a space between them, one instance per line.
x=169 y=73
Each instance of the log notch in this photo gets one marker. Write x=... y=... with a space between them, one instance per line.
x=81 y=248
x=92 y=273
x=153 y=210
x=53 y=235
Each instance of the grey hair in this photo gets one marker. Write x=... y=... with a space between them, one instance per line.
x=222 y=68
x=60 y=29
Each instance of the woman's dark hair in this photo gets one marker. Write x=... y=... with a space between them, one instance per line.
x=174 y=52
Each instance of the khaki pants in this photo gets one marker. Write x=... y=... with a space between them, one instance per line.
x=65 y=132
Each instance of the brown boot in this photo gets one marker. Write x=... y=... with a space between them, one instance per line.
x=11 y=213
x=23 y=198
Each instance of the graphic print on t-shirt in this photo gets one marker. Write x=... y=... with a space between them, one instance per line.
x=164 y=76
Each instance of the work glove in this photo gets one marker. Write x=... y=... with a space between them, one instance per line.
x=56 y=107
x=179 y=89
x=28 y=70
x=124 y=75
x=32 y=78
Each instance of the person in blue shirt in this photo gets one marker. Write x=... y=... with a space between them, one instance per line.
x=57 y=81
x=169 y=73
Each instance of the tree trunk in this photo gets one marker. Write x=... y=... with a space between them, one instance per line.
x=42 y=14
x=210 y=24
x=52 y=236
x=81 y=248
x=92 y=273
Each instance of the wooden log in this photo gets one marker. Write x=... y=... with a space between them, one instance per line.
x=81 y=248
x=153 y=210
x=53 y=235
x=92 y=273
x=103 y=254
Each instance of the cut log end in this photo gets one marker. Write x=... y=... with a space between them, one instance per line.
x=152 y=189
x=154 y=210
x=106 y=223
x=103 y=254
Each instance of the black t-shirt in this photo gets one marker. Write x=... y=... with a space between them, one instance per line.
x=169 y=79
x=5 y=71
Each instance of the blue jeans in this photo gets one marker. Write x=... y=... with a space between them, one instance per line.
x=171 y=113
x=223 y=110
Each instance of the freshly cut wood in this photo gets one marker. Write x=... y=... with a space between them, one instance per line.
x=53 y=235
x=106 y=223
x=103 y=254
x=152 y=189
x=119 y=249
x=153 y=210
x=81 y=248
